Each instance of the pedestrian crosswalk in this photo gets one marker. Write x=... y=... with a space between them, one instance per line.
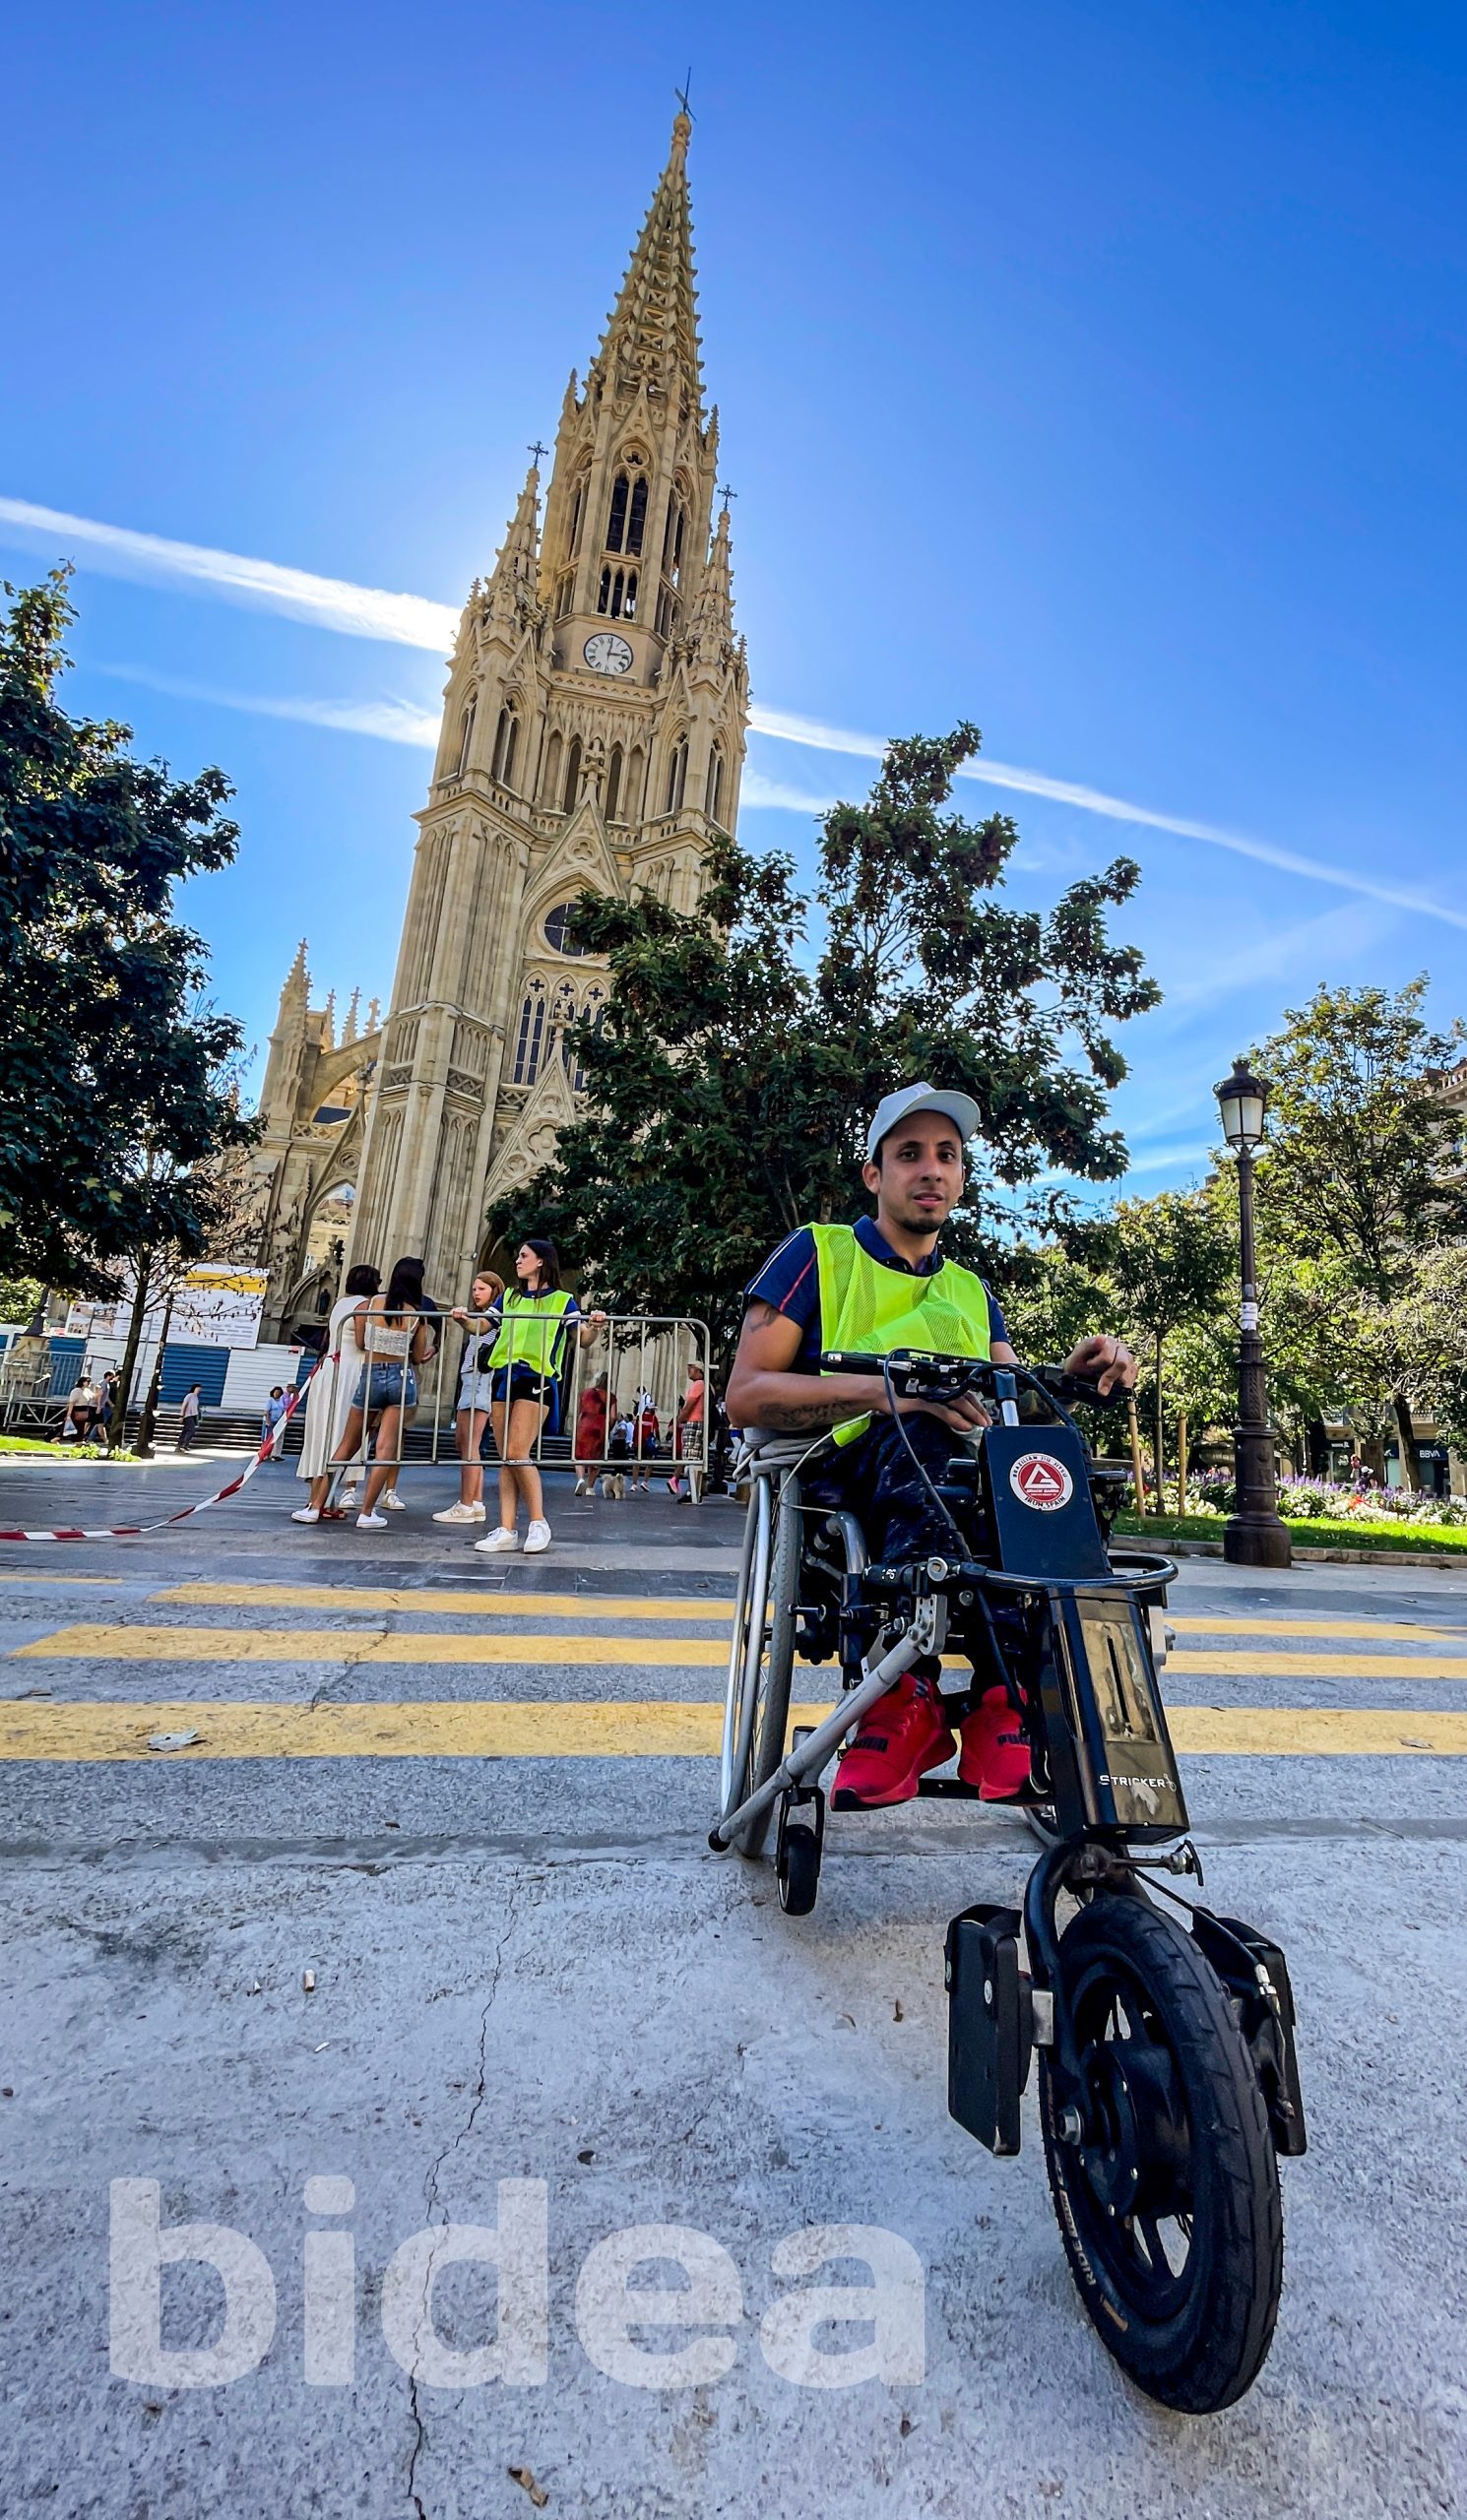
x=48 y=1712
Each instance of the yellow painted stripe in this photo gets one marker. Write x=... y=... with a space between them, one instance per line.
x=495 y=1604
x=481 y=1604
x=1385 y=1631
x=103 y=1730
x=1323 y=1666
x=117 y=1644
x=356 y=1645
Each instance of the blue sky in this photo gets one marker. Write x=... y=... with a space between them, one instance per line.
x=1095 y=374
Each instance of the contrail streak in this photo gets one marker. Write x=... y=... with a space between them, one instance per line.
x=414 y=621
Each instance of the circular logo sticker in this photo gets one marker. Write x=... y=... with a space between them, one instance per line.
x=1039 y=1481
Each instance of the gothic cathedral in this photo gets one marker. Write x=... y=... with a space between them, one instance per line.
x=592 y=734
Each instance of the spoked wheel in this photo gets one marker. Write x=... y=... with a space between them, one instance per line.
x=761 y=1653
x=1168 y=2191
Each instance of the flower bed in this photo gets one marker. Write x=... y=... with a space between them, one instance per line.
x=1311 y=1532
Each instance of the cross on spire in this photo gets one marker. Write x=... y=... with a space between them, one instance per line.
x=682 y=92
x=726 y=495
x=535 y=451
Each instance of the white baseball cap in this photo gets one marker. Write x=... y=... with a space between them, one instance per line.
x=960 y=1108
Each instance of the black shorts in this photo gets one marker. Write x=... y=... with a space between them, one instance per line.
x=522 y=1382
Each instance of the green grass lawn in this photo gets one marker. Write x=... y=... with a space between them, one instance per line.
x=50 y=1451
x=1305 y=1533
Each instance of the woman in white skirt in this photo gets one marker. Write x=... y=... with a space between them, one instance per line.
x=328 y=1401
x=480 y=1317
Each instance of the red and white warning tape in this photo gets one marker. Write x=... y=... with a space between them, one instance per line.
x=135 y=1530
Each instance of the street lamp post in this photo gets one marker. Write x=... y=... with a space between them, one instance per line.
x=1254 y=1536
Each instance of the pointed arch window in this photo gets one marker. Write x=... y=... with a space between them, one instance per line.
x=613 y=784
x=604 y=594
x=629 y=599
x=578 y=511
x=506 y=744
x=572 y=789
x=551 y=784
x=635 y=773
x=713 y=795
x=466 y=738
x=616 y=521
x=636 y=522
x=594 y=1013
x=677 y=776
x=530 y=1042
x=565 y=594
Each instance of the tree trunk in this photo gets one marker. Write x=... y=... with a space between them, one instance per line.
x=1410 y=1457
x=147 y=1423
x=129 y=1365
x=1160 y=1481
x=1139 y=1476
x=1181 y=1462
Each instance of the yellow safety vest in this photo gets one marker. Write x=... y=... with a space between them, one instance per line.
x=870 y=1309
x=530 y=1331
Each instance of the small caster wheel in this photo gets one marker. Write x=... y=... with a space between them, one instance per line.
x=798 y=1850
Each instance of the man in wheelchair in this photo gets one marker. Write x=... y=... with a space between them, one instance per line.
x=872 y=1287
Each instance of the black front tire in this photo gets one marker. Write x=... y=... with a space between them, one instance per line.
x=799 y=1871
x=1169 y=2203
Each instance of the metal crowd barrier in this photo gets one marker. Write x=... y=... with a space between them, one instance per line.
x=635 y=1358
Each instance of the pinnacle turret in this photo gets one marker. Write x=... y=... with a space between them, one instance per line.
x=711 y=625
x=513 y=579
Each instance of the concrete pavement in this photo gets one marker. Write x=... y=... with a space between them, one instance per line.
x=528 y=1968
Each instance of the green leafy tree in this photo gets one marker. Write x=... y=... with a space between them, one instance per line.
x=18 y=1298
x=115 y=1106
x=1365 y=1167
x=1171 y=1265
x=745 y=1042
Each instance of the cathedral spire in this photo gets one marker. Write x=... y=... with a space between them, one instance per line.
x=711 y=625
x=652 y=335
x=295 y=990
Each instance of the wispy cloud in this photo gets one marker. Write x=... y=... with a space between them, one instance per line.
x=757 y=789
x=1094 y=800
x=332 y=603
x=1280 y=953
x=397 y=721
x=409 y=620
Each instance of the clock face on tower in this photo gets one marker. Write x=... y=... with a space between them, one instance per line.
x=605 y=652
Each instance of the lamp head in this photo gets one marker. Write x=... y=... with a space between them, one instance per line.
x=1241 y=1099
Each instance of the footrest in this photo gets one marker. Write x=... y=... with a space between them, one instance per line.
x=946 y=1789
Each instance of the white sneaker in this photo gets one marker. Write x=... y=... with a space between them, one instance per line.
x=459 y=1513
x=500 y=1538
x=537 y=1537
x=305 y=1514
x=371 y=1522
x=393 y=1501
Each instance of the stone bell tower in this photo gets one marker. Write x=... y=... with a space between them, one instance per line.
x=592 y=734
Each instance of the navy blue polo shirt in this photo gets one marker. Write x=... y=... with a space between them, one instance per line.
x=789 y=1281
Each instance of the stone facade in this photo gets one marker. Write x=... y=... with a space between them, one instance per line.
x=593 y=734
x=299 y=1181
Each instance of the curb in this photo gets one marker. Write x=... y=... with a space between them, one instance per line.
x=1456 y=1564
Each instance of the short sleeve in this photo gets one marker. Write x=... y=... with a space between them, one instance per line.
x=997 y=1326
x=790 y=1279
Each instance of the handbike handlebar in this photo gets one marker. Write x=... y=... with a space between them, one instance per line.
x=917 y=1374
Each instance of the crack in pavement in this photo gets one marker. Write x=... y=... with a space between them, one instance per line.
x=431 y=2198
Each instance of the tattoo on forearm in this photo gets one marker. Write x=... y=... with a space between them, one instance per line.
x=793 y=1416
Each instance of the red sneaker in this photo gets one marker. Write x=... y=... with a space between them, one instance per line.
x=994 y=1755
x=902 y=1736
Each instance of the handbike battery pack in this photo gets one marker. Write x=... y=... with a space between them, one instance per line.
x=989 y=2024
x=1036 y=1491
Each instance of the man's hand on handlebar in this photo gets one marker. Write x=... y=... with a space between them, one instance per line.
x=1106 y=1361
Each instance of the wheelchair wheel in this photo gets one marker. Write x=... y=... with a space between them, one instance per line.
x=761 y=1653
x=1168 y=2198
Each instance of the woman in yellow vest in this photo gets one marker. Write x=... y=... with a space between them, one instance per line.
x=524 y=1369
x=869 y=1287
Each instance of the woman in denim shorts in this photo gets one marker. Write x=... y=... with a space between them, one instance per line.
x=481 y=1318
x=394 y=1336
